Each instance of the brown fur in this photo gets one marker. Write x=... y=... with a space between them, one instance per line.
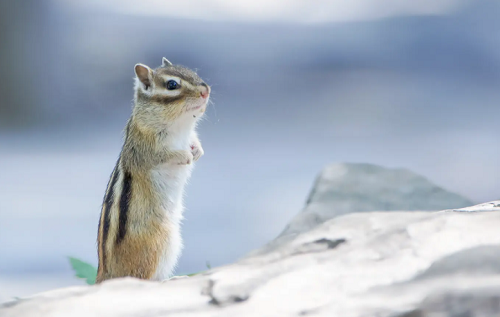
x=145 y=235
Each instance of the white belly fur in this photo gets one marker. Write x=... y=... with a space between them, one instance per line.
x=170 y=181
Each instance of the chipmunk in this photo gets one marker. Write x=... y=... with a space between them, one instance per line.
x=139 y=227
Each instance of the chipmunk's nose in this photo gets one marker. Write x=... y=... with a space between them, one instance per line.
x=205 y=91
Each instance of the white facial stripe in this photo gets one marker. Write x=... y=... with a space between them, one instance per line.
x=167 y=78
x=188 y=85
x=167 y=92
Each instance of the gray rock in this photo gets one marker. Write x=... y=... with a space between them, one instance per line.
x=354 y=187
x=481 y=260
x=479 y=303
x=357 y=265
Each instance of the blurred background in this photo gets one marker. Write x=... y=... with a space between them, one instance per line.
x=296 y=85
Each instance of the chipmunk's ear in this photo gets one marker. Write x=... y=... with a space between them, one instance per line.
x=165 y=62
x=144 y=74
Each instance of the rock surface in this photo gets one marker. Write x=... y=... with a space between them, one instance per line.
x=404 y=264
x=343 y=188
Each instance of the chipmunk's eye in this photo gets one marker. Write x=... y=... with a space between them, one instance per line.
x=172 y=85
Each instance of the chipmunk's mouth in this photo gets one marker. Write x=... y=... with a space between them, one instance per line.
x=194 y=108
x=197 y=106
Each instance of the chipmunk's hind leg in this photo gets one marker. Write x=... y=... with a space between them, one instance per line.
x=136 y=257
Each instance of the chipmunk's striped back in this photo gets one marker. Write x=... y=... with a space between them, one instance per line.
x=113 y=222
x=139 y=226
x=134 y=229
x=104 y=222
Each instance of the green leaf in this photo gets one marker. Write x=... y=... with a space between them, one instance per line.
x=83 y=270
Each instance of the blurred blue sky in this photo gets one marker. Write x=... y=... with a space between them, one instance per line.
x=295 y=87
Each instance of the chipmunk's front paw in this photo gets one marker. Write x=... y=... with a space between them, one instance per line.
x=197 y=151
x=182 y=158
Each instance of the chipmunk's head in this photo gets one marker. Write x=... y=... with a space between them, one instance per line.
x=169 y=92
